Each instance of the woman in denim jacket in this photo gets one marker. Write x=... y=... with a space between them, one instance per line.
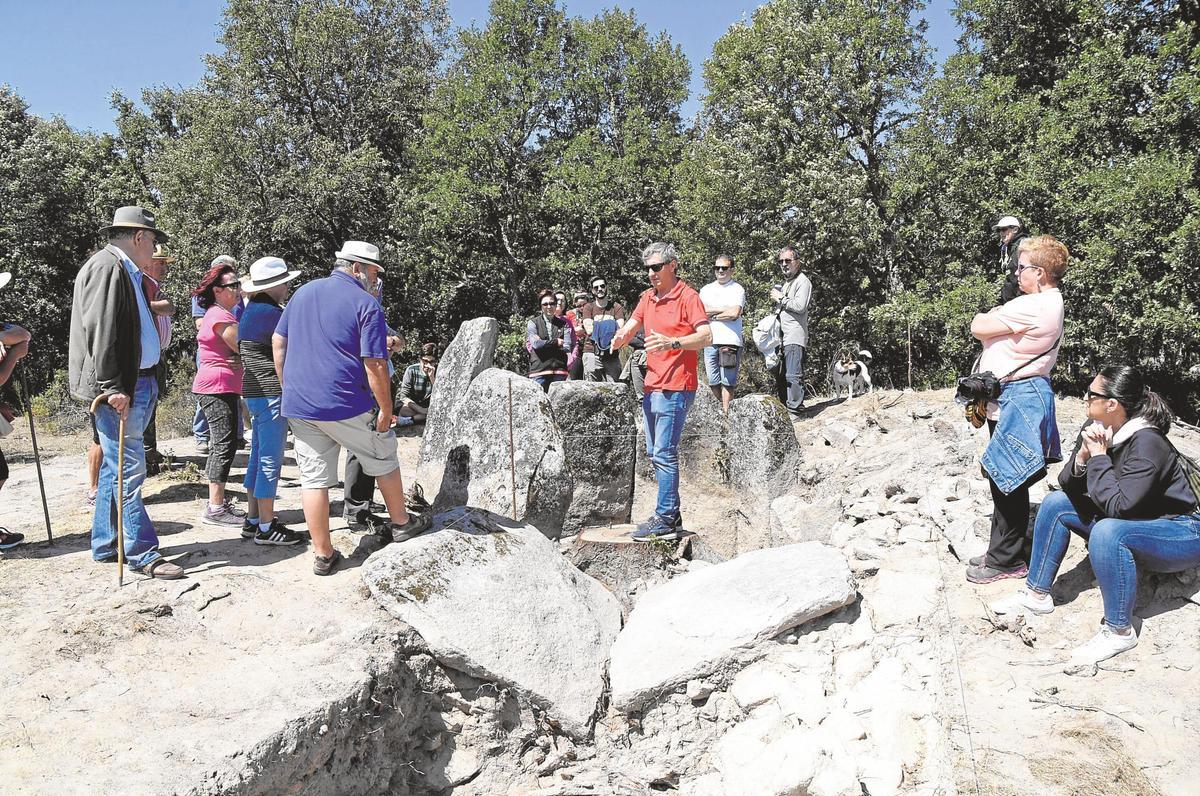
x=1126 y=492
x=1020 y=338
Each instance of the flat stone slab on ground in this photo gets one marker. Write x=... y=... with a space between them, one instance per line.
x=701 y=622
x=497 y=600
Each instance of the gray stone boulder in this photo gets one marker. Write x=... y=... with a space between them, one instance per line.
x=601 y=438
x=793 y=519
x=479 y=470
x=469 y=354
x=763 y=453
x=709 y=621
x=703 y=451
x=495 y=599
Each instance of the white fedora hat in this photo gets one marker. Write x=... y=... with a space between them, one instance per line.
x=267 y=272
x=5 y=278
x=360 y=251
x=1008 y=221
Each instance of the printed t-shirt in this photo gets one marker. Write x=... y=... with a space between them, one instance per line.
x=677 y=314
x=331 y=325
x=730 y=294
x=215 y=375
x=1036 y=320
x=605 y=323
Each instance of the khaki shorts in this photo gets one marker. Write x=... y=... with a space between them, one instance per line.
x=319 y=443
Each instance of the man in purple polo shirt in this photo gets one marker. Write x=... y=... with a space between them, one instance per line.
x=331 y=353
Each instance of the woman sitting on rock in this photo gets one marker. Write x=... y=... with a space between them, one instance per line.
x=1125 y=490
x=548 y=338
x=1020 y=346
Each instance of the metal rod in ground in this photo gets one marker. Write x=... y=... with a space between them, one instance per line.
x=512 y=453
x=37 y=457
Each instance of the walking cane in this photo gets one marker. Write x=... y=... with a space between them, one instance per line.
x=120 y=489
x=37 y=458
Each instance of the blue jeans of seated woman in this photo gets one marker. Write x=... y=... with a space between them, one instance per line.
x=1115 y=547
x=266 y=447
x=664 y=412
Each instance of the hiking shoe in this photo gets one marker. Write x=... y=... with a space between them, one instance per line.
x=91 y=498
x=1024 y=601
x=1102 y=646
x=278 y=534
x=657 y=529
x=202 y=448
x=162 y=569
x=417 y=524
x=365 y=521
x=975 y=561
x=222 y=516
x=988 y=574
x=404 y=421
x=323 y=565
x=249 y=528
x=233 y=509
x=9 y=540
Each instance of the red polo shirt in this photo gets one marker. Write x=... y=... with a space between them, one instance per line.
x=677 y=314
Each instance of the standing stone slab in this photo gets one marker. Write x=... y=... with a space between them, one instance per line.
x=764 y=455
x=703 y=622
x=601 y=437
x=703 y=449
x=496 y=599
x=479 y=470
x=469 y=354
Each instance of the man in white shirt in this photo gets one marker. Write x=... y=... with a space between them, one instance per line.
x=723 y=300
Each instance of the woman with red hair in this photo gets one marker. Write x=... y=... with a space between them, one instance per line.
x=218 y=386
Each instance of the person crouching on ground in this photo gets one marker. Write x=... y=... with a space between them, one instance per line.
x=677 y=328
x=218 y=386
x=1020 y=346
x=416 y=385
x=331 y=357
x=548 y=338
x=267 y=286
x=1126 y=492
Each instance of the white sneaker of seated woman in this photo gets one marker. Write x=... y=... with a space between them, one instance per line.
x=1102 y=646
x=1024 y=602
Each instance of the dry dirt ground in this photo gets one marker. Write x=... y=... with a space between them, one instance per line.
x=155 y=687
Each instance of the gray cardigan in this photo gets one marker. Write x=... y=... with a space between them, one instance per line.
x=793 y=317
x=106 y=341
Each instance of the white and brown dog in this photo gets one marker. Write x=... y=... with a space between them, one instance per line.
x=849 y=370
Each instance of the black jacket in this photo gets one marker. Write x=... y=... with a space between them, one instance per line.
x=106 y=330
x=1142 y=479
x=1009 y=261
x=552 y=356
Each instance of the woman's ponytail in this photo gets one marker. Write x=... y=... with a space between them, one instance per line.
x=1128 y=387
x=1155 y=411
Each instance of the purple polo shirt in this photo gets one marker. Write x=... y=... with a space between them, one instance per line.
x=331 y=325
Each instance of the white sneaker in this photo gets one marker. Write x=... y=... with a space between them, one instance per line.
x=404 y=421
x=1024 y=602
x=1102 y=646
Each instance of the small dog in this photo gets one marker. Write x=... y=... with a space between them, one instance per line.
x=850 y=369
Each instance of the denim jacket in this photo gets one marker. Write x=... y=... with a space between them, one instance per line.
x=1026 y=435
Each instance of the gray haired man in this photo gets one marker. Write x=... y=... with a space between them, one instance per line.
x=792 y=298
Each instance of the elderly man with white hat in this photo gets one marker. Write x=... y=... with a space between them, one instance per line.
x=331 y=355
x=267 y=286
x=1010 y=232
x=114 y=352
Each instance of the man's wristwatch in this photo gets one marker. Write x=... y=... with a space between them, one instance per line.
x=676 y=345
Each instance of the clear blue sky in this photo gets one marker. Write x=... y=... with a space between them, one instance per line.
x=51 y=54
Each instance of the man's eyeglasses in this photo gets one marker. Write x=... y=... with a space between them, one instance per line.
x=549 y=303
x=1090 y=394
x=785 y=260
x=656 y=267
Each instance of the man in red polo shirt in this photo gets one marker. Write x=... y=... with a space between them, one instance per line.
x=676 y=329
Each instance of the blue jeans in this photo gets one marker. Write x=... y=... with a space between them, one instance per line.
x=664 y=413
x=790 y=383
x=141 y=542
x=726 y=377
x=545 y=381
x=1115 y=547
x=266 y=447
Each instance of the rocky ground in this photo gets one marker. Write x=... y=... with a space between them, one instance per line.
x=849 y=656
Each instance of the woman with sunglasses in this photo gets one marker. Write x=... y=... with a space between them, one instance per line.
x=218 y=385
x=1020 y=345
x=548 y=338
x=1124 y=490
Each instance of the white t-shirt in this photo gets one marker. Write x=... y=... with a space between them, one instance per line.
x=730 y=294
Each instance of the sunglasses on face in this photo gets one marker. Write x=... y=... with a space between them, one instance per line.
x=720 y=269
x=599 y=286
x=785 y=260
x=548 y=303
x=1090 y=394
x=231 y=285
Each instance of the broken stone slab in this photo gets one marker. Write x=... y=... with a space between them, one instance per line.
x=793 y=519
x=469 y=354
x=601 y=439
x=963 y=540
x=495 y=599
x=882 y=530
x=480 y=467
x=901 y=599
x=704 y=622
x=764 y=455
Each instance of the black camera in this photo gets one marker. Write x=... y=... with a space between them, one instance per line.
x=978 y=387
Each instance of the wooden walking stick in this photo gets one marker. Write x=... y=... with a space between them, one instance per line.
x=37 y=458
x=120 y=487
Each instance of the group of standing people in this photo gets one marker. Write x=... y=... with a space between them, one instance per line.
x=319 y=366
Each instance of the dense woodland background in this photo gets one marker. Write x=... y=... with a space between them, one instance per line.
x=543 y=149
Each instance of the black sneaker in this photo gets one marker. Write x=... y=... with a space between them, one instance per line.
x=417 y=524
x=278 y=534
x=249 y=528
x=365 y=521
x=323 y=565
x=9 y=539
